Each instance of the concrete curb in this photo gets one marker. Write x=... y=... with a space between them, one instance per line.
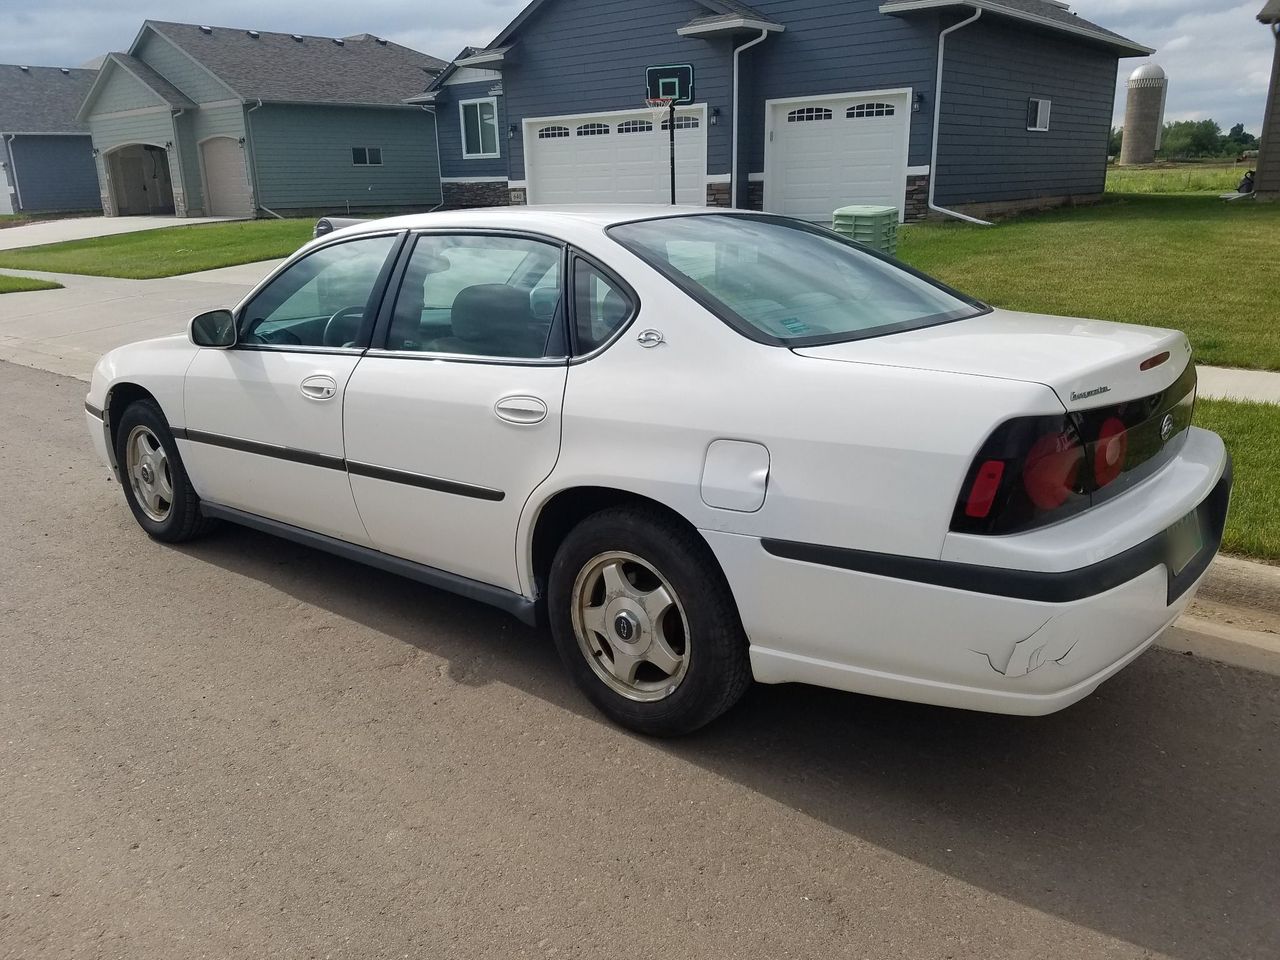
x=1235 y=618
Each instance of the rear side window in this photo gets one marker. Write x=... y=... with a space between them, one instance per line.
x=601 y=307
x=479 y=295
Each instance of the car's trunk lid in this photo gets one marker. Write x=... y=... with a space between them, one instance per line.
x=1087 y=363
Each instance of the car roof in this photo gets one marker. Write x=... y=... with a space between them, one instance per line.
x=540 y=219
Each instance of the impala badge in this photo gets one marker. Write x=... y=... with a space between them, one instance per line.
x=650 y=338
x=1167 y=427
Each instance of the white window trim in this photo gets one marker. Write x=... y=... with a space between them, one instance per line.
x=462 y=129
x=354 y=147
x=1046 y=107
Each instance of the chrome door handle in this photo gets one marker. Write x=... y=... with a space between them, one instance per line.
x=522 y=410
x=319 y=387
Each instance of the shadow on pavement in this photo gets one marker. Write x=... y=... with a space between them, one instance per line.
x=1149 y=812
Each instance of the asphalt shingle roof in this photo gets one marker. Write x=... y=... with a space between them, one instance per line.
x=1271 y=12
x=1043 y=12
x=1051 y=11
x=42 y=99
x=276 y=67
x=166 y=90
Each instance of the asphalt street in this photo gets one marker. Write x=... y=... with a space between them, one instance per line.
x=242 y=748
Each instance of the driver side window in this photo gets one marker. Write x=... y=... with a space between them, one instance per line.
x=321 y=300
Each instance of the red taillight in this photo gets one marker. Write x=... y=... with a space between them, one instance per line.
x=983 y=492
x=1110 y=451
x=1052 y=470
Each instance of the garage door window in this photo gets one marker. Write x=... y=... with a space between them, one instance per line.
x=593 y=130
x=479 y=295
x=479 y=128
x=553 y=133
x=635 y=126
x=682 y=123
x=809 y=115
x=860 y=111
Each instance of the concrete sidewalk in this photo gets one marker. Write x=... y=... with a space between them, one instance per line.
x=1220 y=383
x=66 y=331
x=84 y=228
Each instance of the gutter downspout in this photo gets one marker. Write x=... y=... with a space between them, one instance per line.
x=13 y=171
x=734 y=176
x=937 y=118
x=182 y=172
x=252 y=146
x=435 y=124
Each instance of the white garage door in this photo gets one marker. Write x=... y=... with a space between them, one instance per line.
x=831 y=152
x=224 y=179
x=616 y=158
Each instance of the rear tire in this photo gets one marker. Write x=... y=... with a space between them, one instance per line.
x=155 y=482
x=645 y=622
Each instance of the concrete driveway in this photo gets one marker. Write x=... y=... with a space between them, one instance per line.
x=84 y=228
x=66 y=331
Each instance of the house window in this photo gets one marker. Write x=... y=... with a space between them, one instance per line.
x=860 y=111
x=593 y=130
x=479 y=128
x=808 y=115
x=553 y=133
x=682 y=123
x=635 y=126
x=366 y=156
x=1038 y=114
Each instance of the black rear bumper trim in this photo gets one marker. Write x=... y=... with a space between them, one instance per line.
x=1063 y=587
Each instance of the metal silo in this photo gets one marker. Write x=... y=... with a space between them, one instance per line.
x=1144 y=115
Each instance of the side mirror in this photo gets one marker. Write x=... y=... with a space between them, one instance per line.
x=216 y=329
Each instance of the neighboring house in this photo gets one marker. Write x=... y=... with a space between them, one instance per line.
x=1267 y=180
x=834 y=103
x=216 y=121
x=46 y=160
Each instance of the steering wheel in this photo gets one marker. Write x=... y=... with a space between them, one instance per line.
x=343 y=327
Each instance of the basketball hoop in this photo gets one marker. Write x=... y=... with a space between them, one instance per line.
x=661 y=107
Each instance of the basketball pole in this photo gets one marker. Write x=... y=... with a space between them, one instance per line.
x=671 y=124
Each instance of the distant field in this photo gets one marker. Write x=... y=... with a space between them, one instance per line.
x=1176 y=178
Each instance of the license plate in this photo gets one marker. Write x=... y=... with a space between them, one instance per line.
x=1186 y=540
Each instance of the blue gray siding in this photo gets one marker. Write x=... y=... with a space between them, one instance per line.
x=587 y=56
x=303 y=157
x=451 y=132
x=55 y=173
x=180 y=70
x=985 y=152
x=838 y=46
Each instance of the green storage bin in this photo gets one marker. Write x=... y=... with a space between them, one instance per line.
x=871 y=226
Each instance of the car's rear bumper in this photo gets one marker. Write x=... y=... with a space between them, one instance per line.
x=997 y=639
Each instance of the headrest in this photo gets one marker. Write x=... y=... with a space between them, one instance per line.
x=491 y=313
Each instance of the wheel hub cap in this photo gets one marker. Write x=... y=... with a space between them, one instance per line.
x=147 y=466
x=630 y=627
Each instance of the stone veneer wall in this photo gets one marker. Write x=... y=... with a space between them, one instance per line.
x=917 y=199
x=491 y=193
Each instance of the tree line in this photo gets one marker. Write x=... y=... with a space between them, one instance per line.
x=1195 y=140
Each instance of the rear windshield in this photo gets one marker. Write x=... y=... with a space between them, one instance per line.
x=791 y=283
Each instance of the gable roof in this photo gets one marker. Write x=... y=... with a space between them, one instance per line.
x=162 y=88
x=294 y=68
x=42 y=99
x=1049 y=14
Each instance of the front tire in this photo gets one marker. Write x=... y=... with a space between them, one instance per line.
x=645 y=622
x=155 y=482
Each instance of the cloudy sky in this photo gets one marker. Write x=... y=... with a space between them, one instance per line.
x=1217 y=54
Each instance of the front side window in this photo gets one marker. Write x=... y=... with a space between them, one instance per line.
x=479 y=128
x=320 y=301
x=787 y=282
x=600 y=307
x=479 y=295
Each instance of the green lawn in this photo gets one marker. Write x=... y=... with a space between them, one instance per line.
x=1192 y=263
x=166 y=252
x=10 y=284
x=1214 y=178
x=1252 y=434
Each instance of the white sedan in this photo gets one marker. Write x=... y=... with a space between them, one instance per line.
x=704 y=446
